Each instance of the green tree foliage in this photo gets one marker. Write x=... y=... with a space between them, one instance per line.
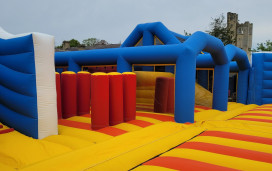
x=74 y=43
x=219 y=29
x=90 y=41
x=267 y=46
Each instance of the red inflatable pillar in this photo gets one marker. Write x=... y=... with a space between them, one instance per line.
x=129 y=83
x=161 y=94
x=83 y=92
x=69 y=94
x=100 y=100
x=116 y=98
x=171 y=96
x=58 y=89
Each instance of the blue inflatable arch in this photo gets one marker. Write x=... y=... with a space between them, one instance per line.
x=184 y=55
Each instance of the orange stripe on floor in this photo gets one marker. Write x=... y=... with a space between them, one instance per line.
x=197 y=111
x=108 y=130
x=230 y=151
x=256 y=114
x=236 y=136
x=253 y=119
x=140 y=123
x=6 y=130
x=156 y=116
x=185 y=164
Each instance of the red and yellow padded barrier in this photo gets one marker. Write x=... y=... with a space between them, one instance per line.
x=83 y=92
x=69 y=94
x=100 y=100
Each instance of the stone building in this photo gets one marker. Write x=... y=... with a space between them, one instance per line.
x=242 y=32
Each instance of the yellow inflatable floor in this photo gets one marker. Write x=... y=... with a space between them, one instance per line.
x=239 y=139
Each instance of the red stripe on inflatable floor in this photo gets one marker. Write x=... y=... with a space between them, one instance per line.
x=256 y=114
x=230 y=151
x=184 y=164
x=140 y=123
x=6 y=130
x=74 y=124
x=203 y=107
x=108 y=130
x=253 y=119
x=156 y=116
x=269 y=110
x=197 y=111
x=112 y=131
x=1 y=126
x=236 y=136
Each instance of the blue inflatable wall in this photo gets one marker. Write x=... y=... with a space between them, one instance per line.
x=18 y=102
x=260 y=88
x=27 y=84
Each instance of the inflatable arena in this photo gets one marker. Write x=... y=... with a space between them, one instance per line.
x=161 y=101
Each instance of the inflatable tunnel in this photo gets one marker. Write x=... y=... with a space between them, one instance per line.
x=27 y=83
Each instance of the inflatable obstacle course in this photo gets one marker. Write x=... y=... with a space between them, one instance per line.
x=231 y=136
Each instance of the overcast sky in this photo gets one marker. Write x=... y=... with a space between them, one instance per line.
x=113 y=20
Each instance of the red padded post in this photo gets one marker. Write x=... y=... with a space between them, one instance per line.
x=100 y=100
x=69 y=94
x=116 y=98
x=58 y=89
x=129 y=83
x=161 y=94
x=171 y=96
x=83 y=92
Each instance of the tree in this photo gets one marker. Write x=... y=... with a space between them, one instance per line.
x=90 y=41
x=74 y=43
x=219 y=29
x=267 y=46
x=187 y=33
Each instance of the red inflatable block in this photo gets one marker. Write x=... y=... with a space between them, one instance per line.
x=129 y=83
x=116 y=98
x=171 y=96
x=100 y=100
x=69 y=94
x=58 y=89
x=83 y=92
x=161 y=94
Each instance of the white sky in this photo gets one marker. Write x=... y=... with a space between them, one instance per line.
x=113 y=20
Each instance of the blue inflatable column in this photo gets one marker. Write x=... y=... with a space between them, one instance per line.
x=220 y=87
x=73 y=66
x=242 y=87
x=185 y=88
x=123 y=65
x=148 y=38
